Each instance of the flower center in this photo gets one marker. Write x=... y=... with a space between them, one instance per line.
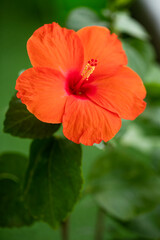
x=80 y=84
x=89 y=68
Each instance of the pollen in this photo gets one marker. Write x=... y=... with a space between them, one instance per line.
x=89 y=69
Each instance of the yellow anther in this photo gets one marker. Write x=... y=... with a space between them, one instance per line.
x=88 y=70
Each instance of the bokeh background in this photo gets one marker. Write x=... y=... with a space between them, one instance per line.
x=130 y=198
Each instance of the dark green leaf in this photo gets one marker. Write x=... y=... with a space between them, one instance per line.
x=13 y=163
x=124 y=183
x=20 y=122
x=53 y=180
x=12 y=210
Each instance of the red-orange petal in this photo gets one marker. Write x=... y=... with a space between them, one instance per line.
x=85 y=122
x=55 y=47
x=99 y=44
x=42 y=91
x=123 y=93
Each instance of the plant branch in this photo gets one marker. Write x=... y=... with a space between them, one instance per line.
x=65 y=230
x=100 y=226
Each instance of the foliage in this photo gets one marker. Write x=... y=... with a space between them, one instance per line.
x=118 y=185
x=12 y=211
x=45 y=190
x=20 y=122
x=53 y=180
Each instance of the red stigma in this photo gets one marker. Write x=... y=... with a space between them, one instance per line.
x=93 y=62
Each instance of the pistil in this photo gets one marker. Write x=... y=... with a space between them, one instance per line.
x=89 y=69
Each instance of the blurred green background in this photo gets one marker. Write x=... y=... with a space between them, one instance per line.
x=130 y=183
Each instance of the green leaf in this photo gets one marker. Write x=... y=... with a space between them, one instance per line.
x=21 y=123
x=150 y=121
x=140 y=55
x=147 y=226
x=152 y=81
x=53 y=180
x=156 y=160
x=145 y=49
x=118 y=4
x=122 y=131
x=82 y=17
x=135 y=60
x=124 y=23
x=118 y=230
x=12 y=210
x=124 y=183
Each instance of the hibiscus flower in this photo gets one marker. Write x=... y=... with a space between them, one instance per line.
x=80 y=79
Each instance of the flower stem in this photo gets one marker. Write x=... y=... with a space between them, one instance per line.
x=100 y=226
x=65 y=230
